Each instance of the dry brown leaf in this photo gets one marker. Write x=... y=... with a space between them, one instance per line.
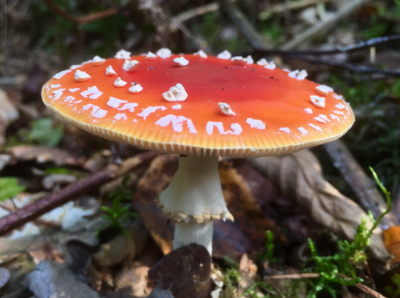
x=43 y=155
x=299 y=177
x=8 y=113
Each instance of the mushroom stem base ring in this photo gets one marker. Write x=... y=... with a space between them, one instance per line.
x=193 y=199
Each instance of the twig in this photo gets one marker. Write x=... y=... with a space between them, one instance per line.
x=197 y=11
x=292 y=276
x=281 y=7
x=243 y=25
x=350 y=67
x=21 y=216
x=368 y=195
x=360 y=286
x=324 y=25
x=84 y=19
x=338 y=49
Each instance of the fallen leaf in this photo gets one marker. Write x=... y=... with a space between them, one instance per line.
x=247 y=233
x=4 y=276
x=8 y=113
x=43 y=155
x=299 y=177
x=132 y=282
x=185 y=271
x=9 y=187
x=124 y=247
x=52 y=279
x=391 y=238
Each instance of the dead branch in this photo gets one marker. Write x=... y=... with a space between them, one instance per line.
x=23 y=215
x=84 y=19
x=324 y=25
x=368 y=195
x=243 y=25
x=197 y=11
x=351 y=67
x=292 y=5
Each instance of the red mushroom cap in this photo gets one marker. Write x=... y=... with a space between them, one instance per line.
x=231 y=110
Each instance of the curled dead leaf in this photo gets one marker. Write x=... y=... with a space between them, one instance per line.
x=8 y=114
x=299 y=177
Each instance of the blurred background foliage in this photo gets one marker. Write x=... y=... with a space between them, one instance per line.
x=37 y=41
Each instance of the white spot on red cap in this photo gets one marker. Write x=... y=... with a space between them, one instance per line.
x=147 y=111
x=334 y=117
x=120 y=116
x=340 y=106
x=69 y=99
x=255 y=123
x=81 y=76
x=92 y=92
x=175 y=93
x=323 y=90
x=121 y=105
x=340 y=113
x=130 y=65
x=302 y=130
x=285 y=129
x=316 y=127
x=96 y=111
x=226 y=109
x=55 y=86
x=236 y=129
x=249 y=59
x=119 y=83
x=96 y=61
x=201 y=54
x=61 y=74
x=110 y=71
x=266 y=64
x=298 y=75
x=181 y=61
x=319 y=119
x=164 y=53
x=308 y=110
x=224 y=55
x=135 y=88
x=176 y=107
x=72 y=90
x=57 y=93
x=177 y=123
x=75 y=66
x=151 y=56
x=318 y=101
x=324 y=117
x=239 y=60
x=122 y=54
x=337 y=96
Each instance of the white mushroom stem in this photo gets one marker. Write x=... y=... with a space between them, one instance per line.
x=193 y=199
x=187 y=233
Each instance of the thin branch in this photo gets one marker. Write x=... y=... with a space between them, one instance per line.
x=324 y=25
x=243 y=25
x=338 y=49
x=364 y=188
x=197 y=11
x=23 y=215
x=350 y=67
x=84 y=19
x=282 y=7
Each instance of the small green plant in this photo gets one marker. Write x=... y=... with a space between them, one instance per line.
x=334 y=270
x=339 y=269
x=9 y=187
x=44 y=131
x=119 y=212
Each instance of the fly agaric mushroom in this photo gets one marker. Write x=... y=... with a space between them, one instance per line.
x=209 y=108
